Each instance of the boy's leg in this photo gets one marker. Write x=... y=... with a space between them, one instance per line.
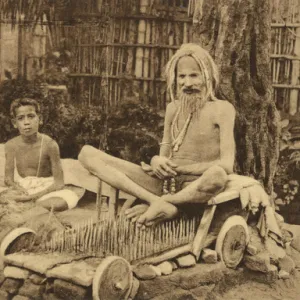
x=54 y=203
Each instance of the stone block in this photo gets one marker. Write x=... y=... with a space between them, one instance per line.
x=19 y=297
x=252 y=249
x=144 y=272
x=40 y=263
x=156 y=270
x=37 y=279
x=174 y=265
x=78 y=272
x=268 y=277
x=286 y=264
x=2 y=277
x=166 y=268
x=51 y=296
x=11 y=285
x=15 y=272
x=70 y=291
x=4 y=295
x=32 y=290
x=201 y=274
x=283 y=274
x=255 y=238
x=186 y=261
x=259 y=262
x=276 y=252
x=209 y=256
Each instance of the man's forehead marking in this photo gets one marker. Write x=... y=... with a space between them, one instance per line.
x=189 y=63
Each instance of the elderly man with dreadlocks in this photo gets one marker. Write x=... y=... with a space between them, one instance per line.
x=197 y=150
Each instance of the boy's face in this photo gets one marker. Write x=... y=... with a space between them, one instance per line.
x=26 y=120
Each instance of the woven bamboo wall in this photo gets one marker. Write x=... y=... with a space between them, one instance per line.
x=285 y=55
x=121 y=54
x=120 y=48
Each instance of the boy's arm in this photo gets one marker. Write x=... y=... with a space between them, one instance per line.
x=9 y=164
x=9 y=149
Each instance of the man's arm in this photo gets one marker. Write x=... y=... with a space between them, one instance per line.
x=225 y=121
x=161 y=165
x=166 y=144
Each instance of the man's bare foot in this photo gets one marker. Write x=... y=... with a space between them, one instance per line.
x=158 y=211
x=135 y=212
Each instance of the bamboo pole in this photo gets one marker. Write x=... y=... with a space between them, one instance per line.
x=139 y=60
x=147 y=57
x=293 y=107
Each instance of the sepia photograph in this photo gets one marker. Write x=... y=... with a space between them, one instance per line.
x=149 y=149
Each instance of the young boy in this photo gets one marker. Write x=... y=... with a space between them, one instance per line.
x=33 y=168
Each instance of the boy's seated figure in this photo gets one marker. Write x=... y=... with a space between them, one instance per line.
x=33 y=168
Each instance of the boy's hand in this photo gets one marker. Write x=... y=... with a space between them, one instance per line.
x=19 y=188
x=23 y=198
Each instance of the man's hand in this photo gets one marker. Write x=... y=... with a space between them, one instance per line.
x=163 y=167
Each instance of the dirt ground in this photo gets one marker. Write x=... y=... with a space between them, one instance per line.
x=284 y=289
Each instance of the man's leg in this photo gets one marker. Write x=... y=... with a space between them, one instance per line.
x=211 y=182
x=125 y=176
x=121 y=174
x=201 y=190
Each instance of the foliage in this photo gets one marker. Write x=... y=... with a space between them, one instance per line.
x=134 y=131
x=287 y=178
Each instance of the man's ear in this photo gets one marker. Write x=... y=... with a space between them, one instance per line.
x=41 y=120
x=13 y=121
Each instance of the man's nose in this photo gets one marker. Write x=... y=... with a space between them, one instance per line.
x=188 y=82
x=26 y=120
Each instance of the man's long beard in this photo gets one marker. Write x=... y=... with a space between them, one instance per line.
x=191 y=103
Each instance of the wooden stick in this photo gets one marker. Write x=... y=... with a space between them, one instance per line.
x=286 y=86
x=129 y=45
x=166 y=255
x=203 y=230
x=142 y=17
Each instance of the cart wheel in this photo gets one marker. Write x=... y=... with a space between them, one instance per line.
x=113 y=279
x=18 y=239
x=232 y=241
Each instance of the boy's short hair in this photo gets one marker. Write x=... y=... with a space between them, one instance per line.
x=23 y=102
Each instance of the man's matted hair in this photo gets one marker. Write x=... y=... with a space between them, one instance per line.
x=205 y=63
x=23 y=102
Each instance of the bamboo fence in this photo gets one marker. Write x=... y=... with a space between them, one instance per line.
x=120 y=48
x=122 y=54
x=285 y=55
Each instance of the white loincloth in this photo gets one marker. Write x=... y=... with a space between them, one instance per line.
x=35 y=185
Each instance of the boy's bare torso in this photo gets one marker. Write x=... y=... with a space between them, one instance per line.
x=28 y=156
